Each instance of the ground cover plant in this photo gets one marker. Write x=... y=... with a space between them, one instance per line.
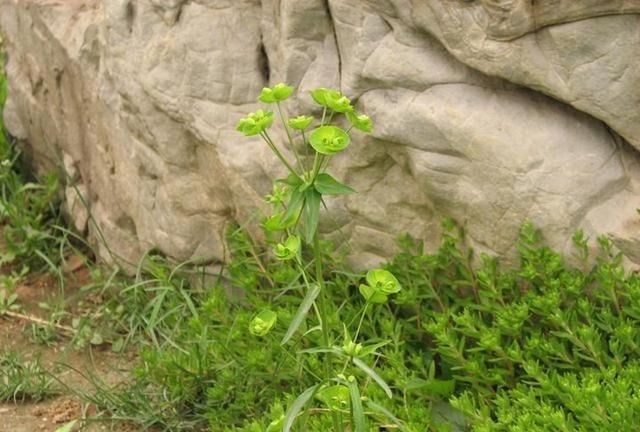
x=287 y=337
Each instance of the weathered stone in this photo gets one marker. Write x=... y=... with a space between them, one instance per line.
x=142 y=98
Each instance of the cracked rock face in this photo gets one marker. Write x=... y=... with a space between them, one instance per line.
x=491 y=111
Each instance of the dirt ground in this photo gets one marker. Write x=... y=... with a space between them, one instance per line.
x=51 y=414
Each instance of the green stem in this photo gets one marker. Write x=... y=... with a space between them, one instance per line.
x=286 y=128
x=324 y=113
x=330 y=117
x=322 y=305
x=364 y=312
x=273 y=148
x=317 y=164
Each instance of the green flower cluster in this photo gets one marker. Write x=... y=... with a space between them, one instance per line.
x=380 y=284
x=256 y=122
x=263 y=322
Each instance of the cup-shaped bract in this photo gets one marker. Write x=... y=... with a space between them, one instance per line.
x=383 y=281
x=300 y=123
x=262 y=323
x=371 y=295
x=360 y=121
x=335 y=397
x=288 y=249
x=277 y=93
x=256 y=122
x=329 y=140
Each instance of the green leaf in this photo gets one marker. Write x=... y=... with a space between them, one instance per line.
x=292 y=180
x=384 y=411
x=327 y=185
x=359 y=420
x=278 y=222
x=371 y=349
x=332 y=350
x=371 y=373
x=371 y=295
x=297 y=406
x=311 y=214
x=303 y=309
x=68 y=427
x=293 y=206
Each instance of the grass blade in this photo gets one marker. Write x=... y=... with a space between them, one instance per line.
x=373 y=375
x=306 y=304
x=297 y=406
x=357 y=411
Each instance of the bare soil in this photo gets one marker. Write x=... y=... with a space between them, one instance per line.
x=62 y=359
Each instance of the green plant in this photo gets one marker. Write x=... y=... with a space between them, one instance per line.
x=296 y=202
x=543 y=346
x=22 y=379
x=29 y=208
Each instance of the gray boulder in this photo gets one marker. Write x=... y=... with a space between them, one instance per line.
x=491 y=111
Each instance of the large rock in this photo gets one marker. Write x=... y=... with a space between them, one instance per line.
x=492 y=111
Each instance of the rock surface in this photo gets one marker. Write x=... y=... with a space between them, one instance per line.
x=491 y=111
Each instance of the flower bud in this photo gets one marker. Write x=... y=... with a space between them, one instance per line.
x=262 y=323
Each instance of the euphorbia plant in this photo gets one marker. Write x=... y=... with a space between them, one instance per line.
x=296 y=201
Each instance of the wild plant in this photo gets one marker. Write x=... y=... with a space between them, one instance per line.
x=341 y=370
x=22 y=379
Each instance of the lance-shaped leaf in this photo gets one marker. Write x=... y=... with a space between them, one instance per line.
x=357 y=411
x=311 y=214
x=329 y=140
x=327 y=185
x=302 y=312
x=377 y=378
x=297 y=406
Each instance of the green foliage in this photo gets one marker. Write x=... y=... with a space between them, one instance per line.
x=22 y=379
x=543 y=346
x=29 y=207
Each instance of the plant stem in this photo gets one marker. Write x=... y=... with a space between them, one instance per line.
x=322 y=305
x=317 y=164
x=286 y=128
x=273 y=148
x=364 y=312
